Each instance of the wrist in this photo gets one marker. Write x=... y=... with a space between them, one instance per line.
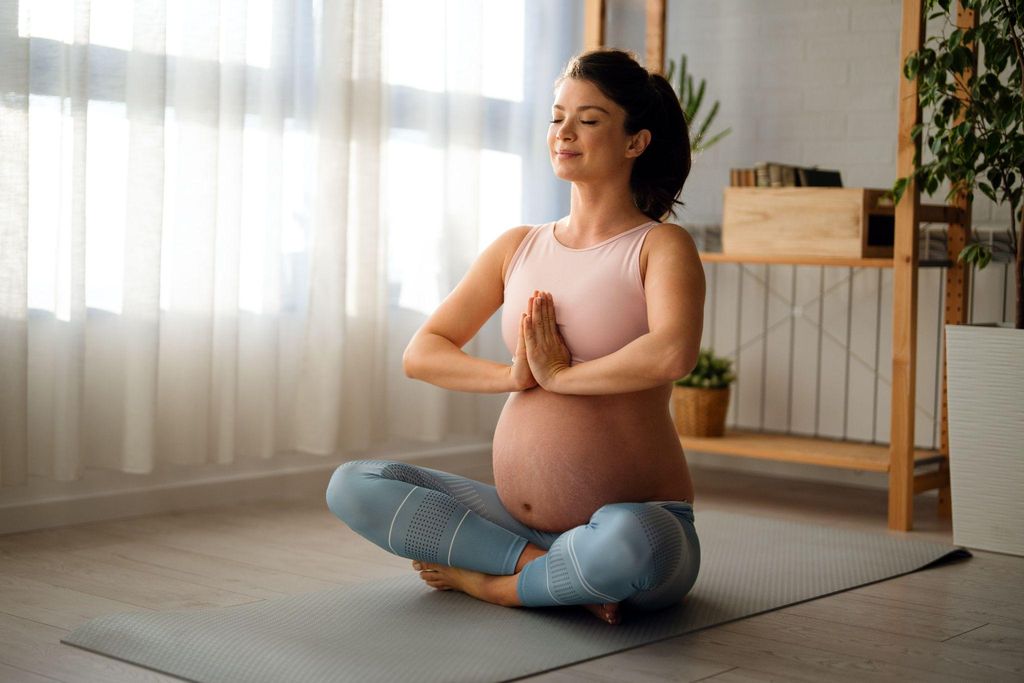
x=555 y=381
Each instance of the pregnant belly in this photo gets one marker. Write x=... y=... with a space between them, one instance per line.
x=558 y=458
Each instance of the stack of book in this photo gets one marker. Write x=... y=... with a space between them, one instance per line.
x=771 y=174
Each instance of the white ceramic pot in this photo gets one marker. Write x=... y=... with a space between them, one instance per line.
x=985 y=375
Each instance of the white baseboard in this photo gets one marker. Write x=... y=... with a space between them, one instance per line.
x=105 y=495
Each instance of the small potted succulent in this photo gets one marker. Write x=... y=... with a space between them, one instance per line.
x=700 y=400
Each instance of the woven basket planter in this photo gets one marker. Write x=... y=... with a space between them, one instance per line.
x=699 y=412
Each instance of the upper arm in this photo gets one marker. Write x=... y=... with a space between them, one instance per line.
x=478 y=295
x=674 y=287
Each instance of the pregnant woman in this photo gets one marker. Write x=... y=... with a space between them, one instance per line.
x=603 y=309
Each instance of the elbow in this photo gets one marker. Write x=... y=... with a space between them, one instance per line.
x=682 y=363
x=408 y=362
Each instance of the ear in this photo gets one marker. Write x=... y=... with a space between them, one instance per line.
x=638 y=143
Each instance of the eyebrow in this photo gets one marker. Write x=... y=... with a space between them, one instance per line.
x=586 y=106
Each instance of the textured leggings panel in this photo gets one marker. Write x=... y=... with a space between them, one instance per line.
x=645 y=553
x=415 y=513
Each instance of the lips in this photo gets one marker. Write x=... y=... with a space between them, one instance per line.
x=565 y=154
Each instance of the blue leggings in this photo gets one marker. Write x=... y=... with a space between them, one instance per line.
x=646 y=554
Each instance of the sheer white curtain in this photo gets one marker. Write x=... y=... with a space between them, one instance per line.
x=470 y=91
x=222 y=220
x=191 y=266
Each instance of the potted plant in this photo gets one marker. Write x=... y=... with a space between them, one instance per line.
x=700 y=400
x=690 y=100
x=976 y=135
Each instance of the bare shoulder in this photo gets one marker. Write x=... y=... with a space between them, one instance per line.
x=670 y=235
x=668 y=243
x=509 y=242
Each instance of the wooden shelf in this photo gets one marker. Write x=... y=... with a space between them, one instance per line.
x=849 y=455
x=798 y=260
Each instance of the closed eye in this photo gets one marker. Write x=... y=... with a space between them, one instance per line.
x=588 y=123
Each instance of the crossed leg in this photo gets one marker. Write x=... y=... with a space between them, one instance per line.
x=462 y=538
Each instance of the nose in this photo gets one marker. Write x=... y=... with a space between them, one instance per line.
x=565 y=131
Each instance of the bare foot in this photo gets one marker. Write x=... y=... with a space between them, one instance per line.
x=608 y=612
x=498 y=590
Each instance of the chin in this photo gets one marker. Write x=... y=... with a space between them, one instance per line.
x=563 y=173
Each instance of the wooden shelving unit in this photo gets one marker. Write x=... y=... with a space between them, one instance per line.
x=900 y=459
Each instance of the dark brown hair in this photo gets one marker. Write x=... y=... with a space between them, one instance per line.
x=650 y=103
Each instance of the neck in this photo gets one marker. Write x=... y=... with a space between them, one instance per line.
x=597 y=210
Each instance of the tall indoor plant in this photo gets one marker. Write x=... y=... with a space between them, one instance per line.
x=976 y=135
x=976 y=127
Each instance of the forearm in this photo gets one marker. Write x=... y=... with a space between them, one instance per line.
x=438 y=361
x=644 y=363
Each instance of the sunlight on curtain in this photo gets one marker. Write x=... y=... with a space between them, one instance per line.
x=221 y=221
x=105 y=198
x=185 y=276
x=469 y=92
x=441 y=166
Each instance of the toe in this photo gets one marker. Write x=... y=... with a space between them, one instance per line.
x=611 y=613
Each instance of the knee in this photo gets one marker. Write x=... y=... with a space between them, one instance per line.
x=347 y=492
x=620 y=550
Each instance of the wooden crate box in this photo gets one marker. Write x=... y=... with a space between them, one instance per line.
x=851 y=222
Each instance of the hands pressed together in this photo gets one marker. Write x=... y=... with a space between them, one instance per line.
x=541 y=353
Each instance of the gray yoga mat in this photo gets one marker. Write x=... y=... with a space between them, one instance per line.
x=397 y=630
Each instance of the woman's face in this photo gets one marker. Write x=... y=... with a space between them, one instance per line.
x=587 y=138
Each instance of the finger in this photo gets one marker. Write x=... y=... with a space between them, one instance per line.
x=546 y=321
x=544 y=330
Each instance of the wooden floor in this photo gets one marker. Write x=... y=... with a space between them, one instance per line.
x=963 y=621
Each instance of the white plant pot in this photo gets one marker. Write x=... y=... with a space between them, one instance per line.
x=985 y=371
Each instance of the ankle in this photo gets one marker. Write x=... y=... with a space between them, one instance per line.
x=530 y=553
x=501 y=590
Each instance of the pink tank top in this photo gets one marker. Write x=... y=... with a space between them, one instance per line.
x=600 y=305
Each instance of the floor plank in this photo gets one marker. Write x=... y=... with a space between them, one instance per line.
x=53 y=605
x=993 y=638
x=740 y=674
x=795 y=661
x=920 y=653
x=106 y=580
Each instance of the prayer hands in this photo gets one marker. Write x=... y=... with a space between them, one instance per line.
x=546 y=352
x=521 y=374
